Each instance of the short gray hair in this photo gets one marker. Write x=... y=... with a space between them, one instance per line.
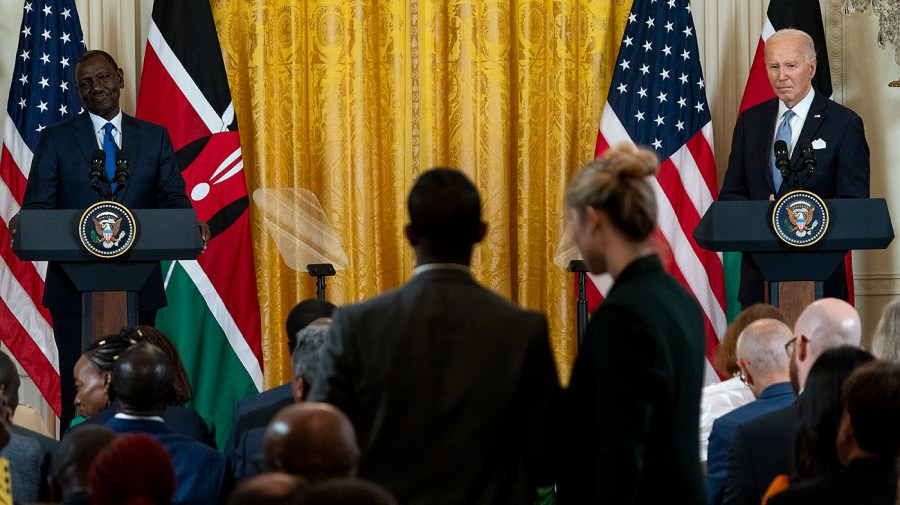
x=886 y=342
x=762 y=345
x=306 y=359
x=807 y=44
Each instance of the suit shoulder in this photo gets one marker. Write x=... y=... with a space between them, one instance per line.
x=760 y=109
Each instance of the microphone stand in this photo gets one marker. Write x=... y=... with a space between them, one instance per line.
x=580 y=270
x=320 y=271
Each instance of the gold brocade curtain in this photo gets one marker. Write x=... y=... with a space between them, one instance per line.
x=352 y=99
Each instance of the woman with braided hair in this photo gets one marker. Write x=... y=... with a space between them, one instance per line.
x=92 y=373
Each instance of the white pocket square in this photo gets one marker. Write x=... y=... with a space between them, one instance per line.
x=818 y=144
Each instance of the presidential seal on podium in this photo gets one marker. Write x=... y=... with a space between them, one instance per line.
x=800 y=218
x=107 y=229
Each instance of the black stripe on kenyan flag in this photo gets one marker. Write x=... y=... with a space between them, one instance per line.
x=805 y=15
x=190 y=31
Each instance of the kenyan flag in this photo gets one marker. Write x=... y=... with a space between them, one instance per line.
x=213 y=312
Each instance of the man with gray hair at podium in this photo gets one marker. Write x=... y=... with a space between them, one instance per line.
x=807 y=122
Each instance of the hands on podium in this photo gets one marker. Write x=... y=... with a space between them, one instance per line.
x=204 y=232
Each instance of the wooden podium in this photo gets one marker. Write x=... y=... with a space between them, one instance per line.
x=109 y=287
x=746 y=226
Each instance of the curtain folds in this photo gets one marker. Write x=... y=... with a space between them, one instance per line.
x=352 y=99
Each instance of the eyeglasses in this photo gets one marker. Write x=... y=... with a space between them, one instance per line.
x=790 y=344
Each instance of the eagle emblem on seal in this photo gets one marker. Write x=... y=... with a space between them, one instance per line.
x=108 y=230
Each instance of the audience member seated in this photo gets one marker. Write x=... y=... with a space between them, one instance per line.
x=142 y=383
x=312 y=440
x=886 y=341
x=256 y=411
x=247 y=457
x=92 y=372
x=133 y=469
x=349 y=492
x=28 y=452
x=764 y=368
x=819 y=414
x=179 y=418
x=722 y=397
x=868 y=443
x=273 y=488
x=764 y=447
x=72 y=461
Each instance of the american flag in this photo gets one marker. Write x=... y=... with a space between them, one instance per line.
x=43 y=92
x=657 y=99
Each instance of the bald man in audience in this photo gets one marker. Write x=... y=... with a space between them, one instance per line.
x=273 y=488
x=764 y=447
x=315 y=441
x=764 y=368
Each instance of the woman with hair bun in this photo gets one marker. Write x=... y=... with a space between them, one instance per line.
x=634 y=397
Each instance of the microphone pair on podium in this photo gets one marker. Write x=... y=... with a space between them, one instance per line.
x=120 y=177
x=795 y=177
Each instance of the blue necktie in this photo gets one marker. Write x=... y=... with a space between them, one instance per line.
x=110 y=148
x=784 y=133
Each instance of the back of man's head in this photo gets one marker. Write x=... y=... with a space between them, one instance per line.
x=306 y=359
x=444 y=214
x=76 y=452
x=9 y=378
x=349 y=492
x=872 y=404
x=302 y=315
x=824 y=324
x=273 y=488
x=142 y=379
x=761 y=354
x=315 y=441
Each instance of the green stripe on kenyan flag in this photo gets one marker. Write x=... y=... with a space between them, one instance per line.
x=216 y=373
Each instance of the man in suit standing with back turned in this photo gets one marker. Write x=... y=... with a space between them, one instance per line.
x=58 y=179
x=801 y=117
x=451 y=388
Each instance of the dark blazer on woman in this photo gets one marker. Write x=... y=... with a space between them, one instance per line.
x=633 y=403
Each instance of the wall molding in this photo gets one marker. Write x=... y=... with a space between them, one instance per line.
x=876 y=284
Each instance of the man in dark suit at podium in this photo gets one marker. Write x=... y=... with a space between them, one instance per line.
x=59 y=179
x=801 y=117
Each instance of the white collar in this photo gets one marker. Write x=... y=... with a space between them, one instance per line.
x=129 y=417
x=441 y=266
x=98 y=121
x=801 y=109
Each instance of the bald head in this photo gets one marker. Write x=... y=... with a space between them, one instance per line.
x=313 y=440
x=824 y=324
x=273 y=488
x=142 y=380
x=761 y=354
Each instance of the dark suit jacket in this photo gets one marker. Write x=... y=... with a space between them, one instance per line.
x=59 y=180
x=864 y=481
x=842 y=169
x=451 y=389
x=634 y=398
x=761 y=450
x=774 y=397
x=28 y=453
x=251 y=415
x=201 y=472
x=183 y=420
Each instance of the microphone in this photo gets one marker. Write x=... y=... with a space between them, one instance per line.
x=98 y=160
x=121 y=175
x=782 y=163
x=808 y=158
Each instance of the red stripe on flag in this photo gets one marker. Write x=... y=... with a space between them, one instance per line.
x=703 y=156
x=161 y=101
x=11 y=174
x=30 y=356
x=712 y=341
x=24 y=272
x=758 y=89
